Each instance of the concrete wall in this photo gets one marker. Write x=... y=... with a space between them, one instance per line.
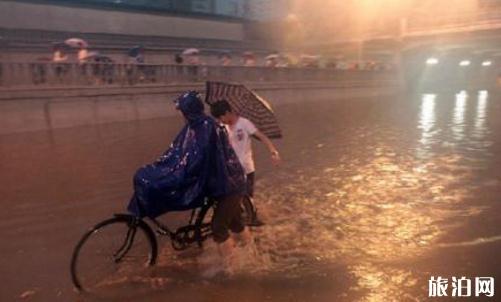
x=59 y=18
x=32 y=110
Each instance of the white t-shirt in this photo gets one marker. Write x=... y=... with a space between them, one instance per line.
x=240 y=139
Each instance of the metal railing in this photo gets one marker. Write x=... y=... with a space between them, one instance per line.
x=48 y=74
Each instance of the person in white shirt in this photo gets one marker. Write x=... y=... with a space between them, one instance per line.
x=240 y=130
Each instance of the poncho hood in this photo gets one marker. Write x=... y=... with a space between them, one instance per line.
x=191 y=106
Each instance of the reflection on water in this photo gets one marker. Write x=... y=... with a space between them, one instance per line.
x=480 y=118
x=372 y=209
x=364 y=190
x=391 y=209
x=426 y=122
x=385 y=283
x=458 y=116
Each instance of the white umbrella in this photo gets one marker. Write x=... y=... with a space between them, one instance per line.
x=272 y=57
x=190 y=52
x=76 y=43
x=309 y=57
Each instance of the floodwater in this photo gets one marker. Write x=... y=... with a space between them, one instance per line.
x=374 y=196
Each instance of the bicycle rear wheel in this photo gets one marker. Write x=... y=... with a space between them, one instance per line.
x=111 y=251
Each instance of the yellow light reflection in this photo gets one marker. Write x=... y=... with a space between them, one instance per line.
x=426 y=123
x=389 y=286
x=390 y=209
x=480 y=118
x=458 y=115
x=427 y=116
x=369 y=209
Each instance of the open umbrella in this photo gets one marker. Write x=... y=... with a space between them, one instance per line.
x=76 y=43
x=225 y=54
x=135 y=51
x=272 y=57
x=190 y=52
x=247 y=104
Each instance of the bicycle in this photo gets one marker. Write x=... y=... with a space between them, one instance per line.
x=127 y=243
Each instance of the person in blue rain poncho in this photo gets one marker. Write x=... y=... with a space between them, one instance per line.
x=200 y=163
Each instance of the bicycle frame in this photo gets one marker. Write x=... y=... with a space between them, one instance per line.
x=194 y=231
x=164 y=230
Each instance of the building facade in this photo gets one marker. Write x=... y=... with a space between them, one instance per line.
x=208 y=8
x=266 y=10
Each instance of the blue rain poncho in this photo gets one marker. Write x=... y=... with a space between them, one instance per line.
x=199 y=163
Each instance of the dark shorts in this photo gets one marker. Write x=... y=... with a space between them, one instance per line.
x=227 y=217
x=250 y=184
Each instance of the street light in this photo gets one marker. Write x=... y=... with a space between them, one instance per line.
x=432 y=61
x=464 y=63
x=486 y=63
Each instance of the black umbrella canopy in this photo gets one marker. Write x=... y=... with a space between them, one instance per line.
x=135 y=51
x=225 y=53
x=247 y=104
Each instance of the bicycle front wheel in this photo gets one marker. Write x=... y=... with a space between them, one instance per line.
x=112 y=251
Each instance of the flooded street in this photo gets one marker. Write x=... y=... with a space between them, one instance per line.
x=374 y=197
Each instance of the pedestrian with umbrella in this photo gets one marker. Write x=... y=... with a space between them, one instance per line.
x=136 y=71
x=60 y=57
x=136 y=54
x=101 y=67
x=81 y=45
x=59 y=52
x=229 y=104
x=249 y=59
x=271 y=60
x=225 y=58
x=191 y=56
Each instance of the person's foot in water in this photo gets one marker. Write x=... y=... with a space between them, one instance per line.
x=255 y=221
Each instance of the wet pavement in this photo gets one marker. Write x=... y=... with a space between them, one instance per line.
x=373 y=198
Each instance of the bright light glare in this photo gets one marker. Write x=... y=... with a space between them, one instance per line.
x=486 y=63
x=432 y=61
x=464 y=63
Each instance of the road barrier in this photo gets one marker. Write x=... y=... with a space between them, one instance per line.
x=49 y=74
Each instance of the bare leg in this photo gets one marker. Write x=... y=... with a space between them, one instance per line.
x=244 y=237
